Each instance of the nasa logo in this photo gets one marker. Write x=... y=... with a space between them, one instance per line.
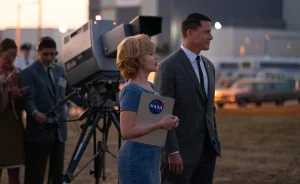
x=156 y=106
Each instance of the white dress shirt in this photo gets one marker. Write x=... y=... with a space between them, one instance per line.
x=21 y=63
x=51 y=66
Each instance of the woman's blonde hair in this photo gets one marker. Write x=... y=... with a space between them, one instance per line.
x=129 y=54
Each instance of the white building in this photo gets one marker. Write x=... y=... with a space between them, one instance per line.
x=235 y=42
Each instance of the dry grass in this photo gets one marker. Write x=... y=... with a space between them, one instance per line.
x=260 y=146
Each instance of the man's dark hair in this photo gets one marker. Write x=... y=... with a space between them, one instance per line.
x=46 y=42
x=26 y=47
x=192 y=21
x=6 y=44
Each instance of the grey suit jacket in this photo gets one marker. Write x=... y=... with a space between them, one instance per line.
x=176 y=78
x=40 y=96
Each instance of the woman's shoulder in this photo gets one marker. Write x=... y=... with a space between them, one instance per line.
x=130 y=86
x=130 y=96
x=135 y=88
x=131 y=89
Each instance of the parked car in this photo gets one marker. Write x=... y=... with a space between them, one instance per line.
x=257 y=91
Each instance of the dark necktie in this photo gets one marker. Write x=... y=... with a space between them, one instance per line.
x=27 y=62
x=50 y=78
x=201 y=76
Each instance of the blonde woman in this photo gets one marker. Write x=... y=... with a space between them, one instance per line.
x=137 y=162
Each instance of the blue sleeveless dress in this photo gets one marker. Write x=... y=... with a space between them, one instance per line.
x=138 y=163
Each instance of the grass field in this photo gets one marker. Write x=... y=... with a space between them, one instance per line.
x=260 y=146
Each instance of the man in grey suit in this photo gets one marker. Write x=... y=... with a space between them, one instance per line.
x=45 y=135
x=191 y=149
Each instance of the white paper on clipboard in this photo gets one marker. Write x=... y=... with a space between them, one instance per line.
x=153 y=108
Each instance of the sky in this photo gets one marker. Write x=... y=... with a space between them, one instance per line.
x=72 y=13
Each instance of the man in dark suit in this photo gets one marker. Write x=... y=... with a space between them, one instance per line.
x=191 y=149
x=45 y=135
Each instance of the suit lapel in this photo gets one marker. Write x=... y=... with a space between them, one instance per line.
x=190 y=70
x=209 y=78
x=55 y=75
x=44 y=77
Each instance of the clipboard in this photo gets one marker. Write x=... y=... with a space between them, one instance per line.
x=153 y=108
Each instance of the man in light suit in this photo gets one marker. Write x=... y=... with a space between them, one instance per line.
x=191 y=149
x=24 y=60
x=45 y=137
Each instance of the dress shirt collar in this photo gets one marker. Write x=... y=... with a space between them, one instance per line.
x=46 y=67
x=191 y=55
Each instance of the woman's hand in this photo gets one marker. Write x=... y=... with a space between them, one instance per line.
x=16 y=93
x=169 y=122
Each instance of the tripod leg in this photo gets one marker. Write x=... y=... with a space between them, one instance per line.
x=81 y=146
x=113 y=115
x=96 y=172
x=102 y=160
x=103 y=146
x=107 y=128
x=105 y=133
x=98 y=163
x=69 y=172
x=114 y=119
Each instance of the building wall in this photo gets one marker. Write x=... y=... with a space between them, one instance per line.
x=164 y=10
x=94 y=8
x=261 y=14
x=126 y=14
x=222 y=44
x=291 y=14
x=237 y=13
x=108 y=9
x=234 y=42
x=244 y=13
x=122 y=11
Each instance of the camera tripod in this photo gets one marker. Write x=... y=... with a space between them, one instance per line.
x=108 y=115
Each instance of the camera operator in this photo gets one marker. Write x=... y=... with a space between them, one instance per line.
x=48 y=85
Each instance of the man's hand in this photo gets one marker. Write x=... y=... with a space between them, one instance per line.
x=39 y=117
x=175 y=164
